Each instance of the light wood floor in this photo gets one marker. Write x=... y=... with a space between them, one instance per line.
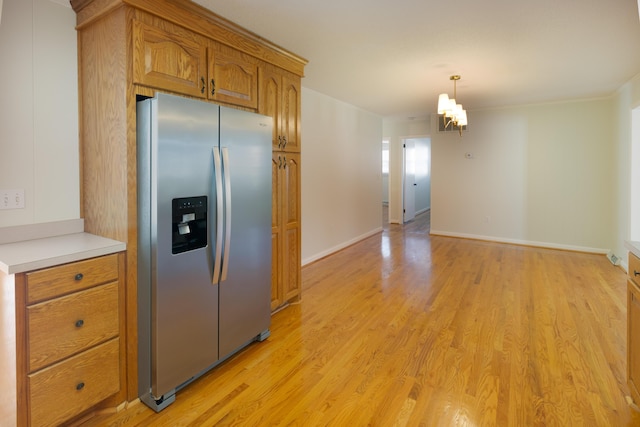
x=407 y=329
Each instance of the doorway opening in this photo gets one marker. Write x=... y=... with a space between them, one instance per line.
x=385 y=183
x=416 y=177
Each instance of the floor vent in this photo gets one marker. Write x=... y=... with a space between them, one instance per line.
x=613 y=258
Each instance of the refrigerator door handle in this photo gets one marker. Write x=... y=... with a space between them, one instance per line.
x=217 y=254
x=227 y=215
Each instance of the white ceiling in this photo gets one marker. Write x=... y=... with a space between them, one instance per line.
x=393 y=58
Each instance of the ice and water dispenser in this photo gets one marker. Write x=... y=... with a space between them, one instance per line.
x=189 y=223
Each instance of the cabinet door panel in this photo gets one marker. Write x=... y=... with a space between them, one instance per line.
x=276 y=232
x=233 y=77
x=291 y=201
x=276 y=275
x=271 y=101
x=290 y=125
x=291 y=225
x=291 y=286
x=170 y=58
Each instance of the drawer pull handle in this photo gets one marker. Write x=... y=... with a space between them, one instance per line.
x=79 y=277
x=636 y=273
x=79 y=323
x=80 y=386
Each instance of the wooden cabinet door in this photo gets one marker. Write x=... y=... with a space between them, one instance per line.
x=169 y=57
x=270 y=101
x=633 y=338
x=276 y=232
x=291 y=251
x=280 y=98
x=233 y=77
x=285 y=230
x=290 y=115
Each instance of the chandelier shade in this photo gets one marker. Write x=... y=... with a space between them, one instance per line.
x=454 y=114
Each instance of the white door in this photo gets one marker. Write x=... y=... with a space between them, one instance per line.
x=409 y=181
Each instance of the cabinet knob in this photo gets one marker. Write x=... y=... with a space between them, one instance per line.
x=636 y=273
x=79 y=323
x=203 y=85
x=213 y=87
x=80 y=386
x=79 y=277
x=284 y=142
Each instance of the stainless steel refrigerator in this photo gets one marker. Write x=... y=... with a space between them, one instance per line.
x=204 y=239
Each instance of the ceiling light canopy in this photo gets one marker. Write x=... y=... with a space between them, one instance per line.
x=454 y=114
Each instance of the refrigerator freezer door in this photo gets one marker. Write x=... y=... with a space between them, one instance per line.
x=184 y=303
x=245 y=140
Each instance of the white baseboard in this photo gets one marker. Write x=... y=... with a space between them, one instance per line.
x=340 y=246
x=522 y=242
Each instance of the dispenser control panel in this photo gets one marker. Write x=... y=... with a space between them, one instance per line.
x=189 y=223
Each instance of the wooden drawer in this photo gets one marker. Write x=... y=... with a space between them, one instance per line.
x=66 y=389
x=634 y=268
x=67 y=325
x=64 y=279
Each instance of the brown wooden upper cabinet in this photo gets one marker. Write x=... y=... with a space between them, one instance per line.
x=169 y=57
x=233 y=76
x=172 y=58
x=280 y=98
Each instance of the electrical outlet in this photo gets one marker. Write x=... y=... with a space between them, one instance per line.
x=11 y=199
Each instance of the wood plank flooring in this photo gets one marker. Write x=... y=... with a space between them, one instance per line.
x=404 y=328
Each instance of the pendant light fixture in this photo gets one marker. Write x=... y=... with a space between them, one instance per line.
x=454 y=114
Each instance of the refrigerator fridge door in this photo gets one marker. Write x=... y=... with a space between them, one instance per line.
x=177 y=148
x=245 y=283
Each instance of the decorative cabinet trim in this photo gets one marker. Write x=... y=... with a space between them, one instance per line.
x=199 y=20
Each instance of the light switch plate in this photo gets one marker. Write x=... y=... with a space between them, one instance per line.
x=11 y=199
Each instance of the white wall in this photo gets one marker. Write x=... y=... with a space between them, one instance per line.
x=341 y=175
x=538 y=175
x=626 y=99
x=529 y=161
x=39 y=110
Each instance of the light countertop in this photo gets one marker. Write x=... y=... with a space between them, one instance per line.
x=634 y=247
x=50 y=244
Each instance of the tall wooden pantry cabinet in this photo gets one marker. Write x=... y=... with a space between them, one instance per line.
x=129 y=49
